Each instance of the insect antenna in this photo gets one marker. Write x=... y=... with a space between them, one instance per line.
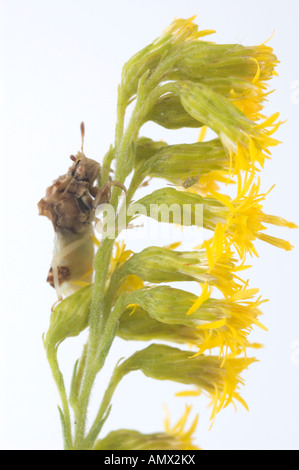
x=82 y=128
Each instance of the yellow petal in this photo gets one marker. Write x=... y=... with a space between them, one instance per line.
x=205 y=295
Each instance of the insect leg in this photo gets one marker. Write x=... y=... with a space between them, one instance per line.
x=104 y=194
x=119 y=185
x=55 y=303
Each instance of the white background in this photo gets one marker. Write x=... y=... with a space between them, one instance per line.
x=60 y=64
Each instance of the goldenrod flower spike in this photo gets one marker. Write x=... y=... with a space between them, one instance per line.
x=177 y=81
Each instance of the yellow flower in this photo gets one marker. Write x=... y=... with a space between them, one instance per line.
x=223 y=383
x=221 y=264
x=208 y=183
x=178 y=432
x=205 y=295
x=181 y=30
x=247 y=143
x=245 y=219
x=180 y=33
x=132 y=282
x=155 y=265
x=233 y=322
x=256 y=148
x=249 y=96
x=174 y=438
x=120 y=255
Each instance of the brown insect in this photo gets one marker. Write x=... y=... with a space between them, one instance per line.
x=70 y=204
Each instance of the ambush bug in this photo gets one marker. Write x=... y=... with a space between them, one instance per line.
x=70 y=204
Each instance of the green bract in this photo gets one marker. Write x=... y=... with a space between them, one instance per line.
x=69 y=317
x=183 y=208
x=140 y=326
x=179 y=162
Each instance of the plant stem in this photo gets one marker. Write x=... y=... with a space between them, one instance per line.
x=103 y=328
x=93 y=368
x=98 y=346
x=102 y=261
x=100 y=418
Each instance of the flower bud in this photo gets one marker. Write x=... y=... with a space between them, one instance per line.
x=174 y=438
x=142 y=327
x=172 y=42
x=158 y=264
x=245 y=140
x=208 y=60
x=207 y=373
x=182 y=208
x=178 y=163
x=147 y=148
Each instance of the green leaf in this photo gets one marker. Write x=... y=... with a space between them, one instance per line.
x=69 y=317
x=64 y=433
